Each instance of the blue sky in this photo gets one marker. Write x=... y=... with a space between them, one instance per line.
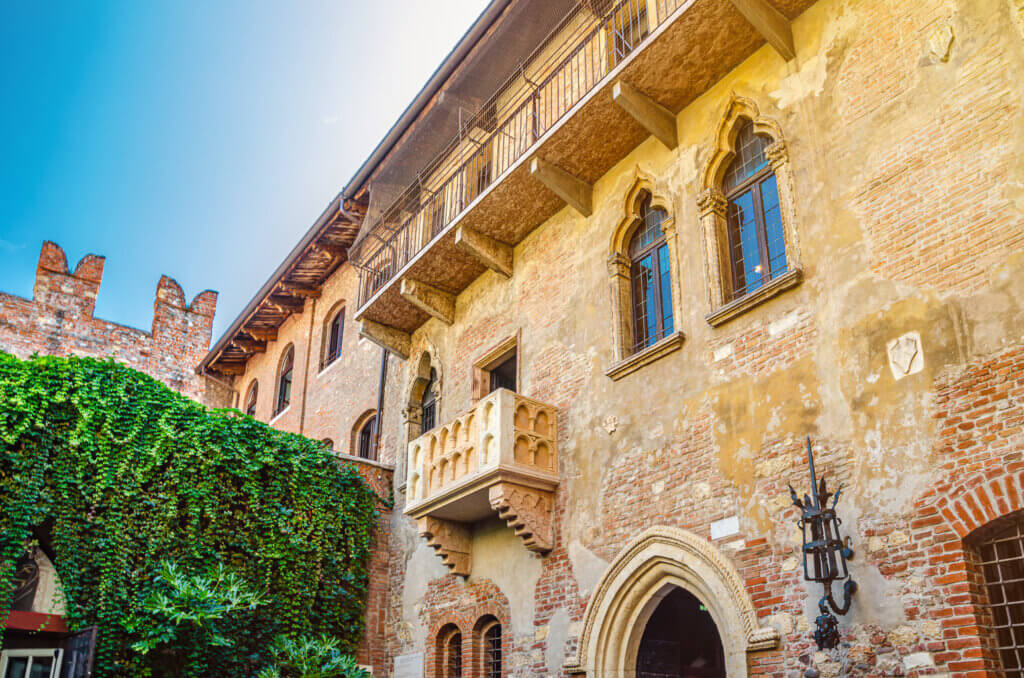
x=196 y=139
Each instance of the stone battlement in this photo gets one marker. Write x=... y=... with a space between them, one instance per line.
x=59 y=320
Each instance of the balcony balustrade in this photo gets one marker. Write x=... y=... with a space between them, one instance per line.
x=610 y=75
x=500 y=456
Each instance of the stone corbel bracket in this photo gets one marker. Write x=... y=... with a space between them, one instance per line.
x=451 y=540
x=527 y=511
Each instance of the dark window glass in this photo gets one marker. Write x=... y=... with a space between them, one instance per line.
x=492 y=651
x=651 y=279
x=504 y=375
x=250 y=400
x=757 y=247
x=366 y=435
x=284 y=381
x=1002 y=564
x=335 y=332
x=454 y=656
x=428 y=404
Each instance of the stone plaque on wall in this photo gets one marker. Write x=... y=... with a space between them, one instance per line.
x=409 y=665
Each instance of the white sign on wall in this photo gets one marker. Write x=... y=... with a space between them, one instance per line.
x=409 y=665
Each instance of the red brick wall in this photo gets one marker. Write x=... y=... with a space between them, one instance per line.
x=59 y=320
x=373 y=648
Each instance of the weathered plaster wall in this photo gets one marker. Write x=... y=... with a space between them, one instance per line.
x=904 y=126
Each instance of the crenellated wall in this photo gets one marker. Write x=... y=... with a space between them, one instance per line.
x=59 y=320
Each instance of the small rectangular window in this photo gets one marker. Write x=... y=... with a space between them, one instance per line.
x=497 y=368
x=503 y=375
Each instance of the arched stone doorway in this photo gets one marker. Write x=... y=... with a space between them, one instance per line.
x=680 y=640
x=641 y=578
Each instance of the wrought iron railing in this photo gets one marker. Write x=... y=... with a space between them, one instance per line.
x=589 y=42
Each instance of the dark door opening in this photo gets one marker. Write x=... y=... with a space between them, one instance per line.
x=503 y=375
x=680 y=641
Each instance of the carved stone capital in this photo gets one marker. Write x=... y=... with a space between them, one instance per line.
x=777 y=153
x=527 y=511
x=711 y=201
x=451 y=540
x=668 y=227
x=412 y=415
x=618 y=265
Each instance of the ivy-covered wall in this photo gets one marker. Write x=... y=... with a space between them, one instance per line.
x=120 y=474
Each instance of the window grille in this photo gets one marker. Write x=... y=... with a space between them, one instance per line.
x=492 y=651
x=1002 y=562
x=454 y=658
x=428 y=404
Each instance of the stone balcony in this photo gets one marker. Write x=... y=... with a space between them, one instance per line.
x=500 y=456
x=586 y=115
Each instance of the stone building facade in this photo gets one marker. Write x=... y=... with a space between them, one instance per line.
x=724 y=226
x=59 y=320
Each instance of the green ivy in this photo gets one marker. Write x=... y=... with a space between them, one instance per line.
x=122 y=474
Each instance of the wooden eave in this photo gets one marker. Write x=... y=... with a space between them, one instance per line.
x=286 y=292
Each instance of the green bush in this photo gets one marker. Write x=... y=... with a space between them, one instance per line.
x=121 y=475
x=310 y=657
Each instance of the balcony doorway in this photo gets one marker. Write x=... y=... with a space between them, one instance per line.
x=680 y=640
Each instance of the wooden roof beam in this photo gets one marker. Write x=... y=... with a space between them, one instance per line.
x=297 y=290
x=250 y=345
x=335 y=251
x=262 y=334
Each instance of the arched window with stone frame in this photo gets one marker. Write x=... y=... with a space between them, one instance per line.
x=333 y=335
x=285 y=371
x=643 y=274
x=251 y=398
x=364 y=435
x=425 y=386
x=747 y=214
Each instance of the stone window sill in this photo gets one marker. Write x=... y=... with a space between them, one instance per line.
x=278 y=415
x=740 y=306
x=647 y=356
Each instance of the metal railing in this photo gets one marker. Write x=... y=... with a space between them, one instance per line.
x=588 y=43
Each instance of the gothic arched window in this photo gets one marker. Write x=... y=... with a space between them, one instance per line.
x=650 y=279
x=333 y=334
x=284 y=380
x=428 y=404
x=757 y=244
x=251 y=397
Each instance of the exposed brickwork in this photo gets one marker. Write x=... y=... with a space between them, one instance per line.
x=930 y=190
x=59 y=320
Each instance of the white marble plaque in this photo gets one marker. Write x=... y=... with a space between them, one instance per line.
x=409 y=666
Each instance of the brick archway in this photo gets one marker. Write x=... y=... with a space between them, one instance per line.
x=946 y=518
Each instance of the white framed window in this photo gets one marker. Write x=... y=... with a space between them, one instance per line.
x=35 y=663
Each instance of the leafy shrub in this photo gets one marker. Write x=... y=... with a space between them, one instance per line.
x=310 y=657
x=118 y=474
